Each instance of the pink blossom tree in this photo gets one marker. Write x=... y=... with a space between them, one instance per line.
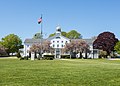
x=44 y=47
x=76 y=46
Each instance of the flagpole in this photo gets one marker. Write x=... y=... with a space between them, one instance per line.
x=41 y=35
x=41 y=27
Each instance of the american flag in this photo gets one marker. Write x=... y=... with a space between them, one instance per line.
x=39 y=20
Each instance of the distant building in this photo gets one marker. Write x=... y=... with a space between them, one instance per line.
x=58 y=42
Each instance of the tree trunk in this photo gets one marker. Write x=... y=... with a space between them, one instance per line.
x=85 y=53
x=80 y=55
x=70 y=55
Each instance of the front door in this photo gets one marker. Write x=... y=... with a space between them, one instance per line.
x=58 y=53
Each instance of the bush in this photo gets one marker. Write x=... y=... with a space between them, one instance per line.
x=21 y=58
x=102 y=54
x=18 y=55
x=48 y=57
x=39 y=57
x=24 y=58
x=65 y=56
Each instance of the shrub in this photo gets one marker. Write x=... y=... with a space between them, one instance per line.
x=65 y=56
x=39 y=57
x=102 y=54
x=48 y=57
x=24 y=58
x=18 y=55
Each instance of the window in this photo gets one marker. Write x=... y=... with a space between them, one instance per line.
x=27 y=45
x=62 y=45
x=58 y=45
x=53 y=45
x=66 y=41
x=53 y=41
x=62 y=41
x=57 y=37
x=57 y=41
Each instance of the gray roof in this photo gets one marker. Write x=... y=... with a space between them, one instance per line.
x=33 y=41
x=89 y=41
x=50 y=38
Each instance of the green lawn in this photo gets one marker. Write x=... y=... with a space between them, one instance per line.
x=78 y=72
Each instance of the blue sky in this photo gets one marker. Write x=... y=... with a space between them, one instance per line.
x=89 y=17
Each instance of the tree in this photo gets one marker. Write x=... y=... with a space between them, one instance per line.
x=47 y=48
x=106 y=42
x=12 y=43
x=53 y=34
x=76 y=46
x=36 y=48
x=37 y=36
x=117 y=47
x=102 y=54
x=73 y=35
x=62 y=33
x=42 y=48
x=2 y=51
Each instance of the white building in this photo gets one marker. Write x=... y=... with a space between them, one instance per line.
x=58 y=42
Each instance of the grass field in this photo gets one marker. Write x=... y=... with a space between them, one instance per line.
x=76 y=72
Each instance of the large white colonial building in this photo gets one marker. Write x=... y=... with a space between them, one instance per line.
x=57 y=42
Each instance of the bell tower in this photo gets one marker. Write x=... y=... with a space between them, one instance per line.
x=58 y=30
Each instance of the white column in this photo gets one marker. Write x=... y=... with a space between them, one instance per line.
x=55 y=54
x=32 y=56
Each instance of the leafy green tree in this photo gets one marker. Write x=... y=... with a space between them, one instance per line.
x=64 y=33
x=51 y=34
x=117 y=47
x=37 y=36
x=73 y=34
x=12 y=43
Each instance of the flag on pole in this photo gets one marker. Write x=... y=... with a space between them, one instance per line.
x=39 y=20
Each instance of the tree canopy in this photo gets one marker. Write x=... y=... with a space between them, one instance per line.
x=76 y=46
x=73 y=34
x=37 y=36
x=105 y=41
x=42 y=48
x=117 y=47
x=12 y=43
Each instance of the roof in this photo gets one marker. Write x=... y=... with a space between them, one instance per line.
x=34 y=41
x=89 y=41
x=57 y=35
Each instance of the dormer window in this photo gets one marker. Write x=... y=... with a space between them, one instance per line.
x=57 y=37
